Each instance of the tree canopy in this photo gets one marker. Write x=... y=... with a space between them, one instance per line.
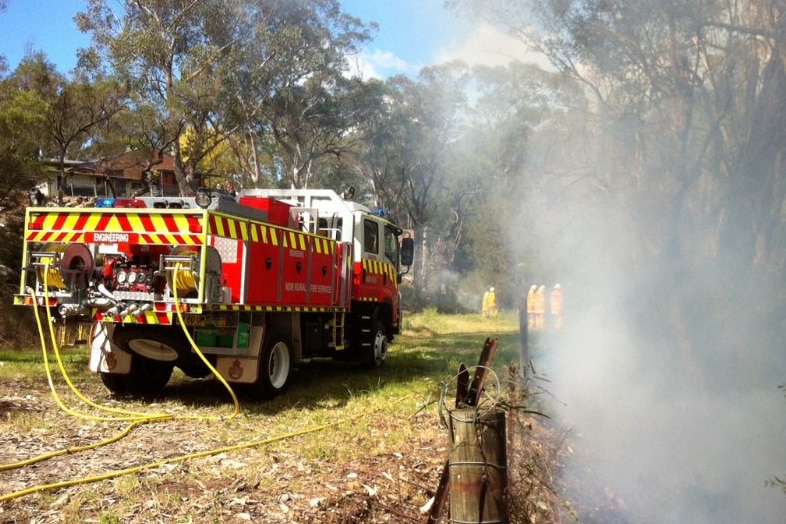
x=661 y=119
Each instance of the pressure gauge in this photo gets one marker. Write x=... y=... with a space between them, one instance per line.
x=132 y=277
x=122 y=276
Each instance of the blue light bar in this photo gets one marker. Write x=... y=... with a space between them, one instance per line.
x=105 y=202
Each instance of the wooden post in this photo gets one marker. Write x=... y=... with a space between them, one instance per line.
x=478 y=467
x=524 y=335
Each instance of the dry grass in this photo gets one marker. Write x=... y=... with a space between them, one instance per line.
x=342 y=446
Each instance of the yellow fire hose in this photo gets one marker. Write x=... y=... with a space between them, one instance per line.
x=137 y=419
x=182 y=458
x=126 y=415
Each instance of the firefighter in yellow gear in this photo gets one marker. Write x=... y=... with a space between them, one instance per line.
x=540 y=306
x=484 y=308
x=531 y=307
x=492 y=303
x=555 y=300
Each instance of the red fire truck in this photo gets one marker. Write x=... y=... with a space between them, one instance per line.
x=255 y=281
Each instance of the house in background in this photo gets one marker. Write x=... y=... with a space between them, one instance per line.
x=118 y=177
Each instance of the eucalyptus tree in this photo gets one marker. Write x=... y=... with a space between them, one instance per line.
x=373 y=159
x=71 y=108
x=22 y=124
x=81 y=106
x=288 y=91
x=407 y=152
x=168 y=53
x=500 y=167
x=687 y=98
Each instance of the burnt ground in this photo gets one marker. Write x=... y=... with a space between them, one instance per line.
x=272 y=484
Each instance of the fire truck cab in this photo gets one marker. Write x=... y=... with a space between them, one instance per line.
x=249 y=283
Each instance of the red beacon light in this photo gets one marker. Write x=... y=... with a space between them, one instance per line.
x=129 y=202
x=120 y=202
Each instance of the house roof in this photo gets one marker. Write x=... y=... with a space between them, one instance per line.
x=129 y=165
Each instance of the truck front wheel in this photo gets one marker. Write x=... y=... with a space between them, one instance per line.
x=375 y=354
x=275 y=366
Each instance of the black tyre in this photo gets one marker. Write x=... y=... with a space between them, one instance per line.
x=114 y=383
x=154 y=350
x=374 y=345
x=275 y=365
x=146 y=378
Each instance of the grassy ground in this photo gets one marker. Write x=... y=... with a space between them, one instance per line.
x=342 y=445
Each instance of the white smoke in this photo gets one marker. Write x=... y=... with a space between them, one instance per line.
x=683 y=427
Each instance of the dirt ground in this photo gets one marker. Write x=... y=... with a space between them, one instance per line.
x=272 y=484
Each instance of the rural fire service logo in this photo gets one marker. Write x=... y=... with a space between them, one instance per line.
x=235 y=370
x=111 y=361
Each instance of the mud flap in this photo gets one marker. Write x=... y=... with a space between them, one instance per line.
x=239 y=370
x=242 y=369
x=105 y=356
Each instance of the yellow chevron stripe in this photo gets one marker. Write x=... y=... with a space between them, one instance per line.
x=70 y=221
x=220 y=227
x=136 y=223
x=181 y=221
x=158 y=223
x=113 y=225
x=92 y=222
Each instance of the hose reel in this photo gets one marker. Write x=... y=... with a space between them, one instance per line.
x=182 y=270
x=66 y=267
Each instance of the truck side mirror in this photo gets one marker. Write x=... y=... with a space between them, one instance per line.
x=407 y=251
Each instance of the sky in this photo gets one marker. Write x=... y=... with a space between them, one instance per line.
x=412 y=34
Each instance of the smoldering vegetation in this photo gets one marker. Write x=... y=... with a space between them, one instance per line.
x=666 y=372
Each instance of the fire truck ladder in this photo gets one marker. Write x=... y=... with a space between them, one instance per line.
x=339 y=321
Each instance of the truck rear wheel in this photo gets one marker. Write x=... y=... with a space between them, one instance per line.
x=154 y=350
x=275 y=366
x=114 y=383
x=147 y=377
